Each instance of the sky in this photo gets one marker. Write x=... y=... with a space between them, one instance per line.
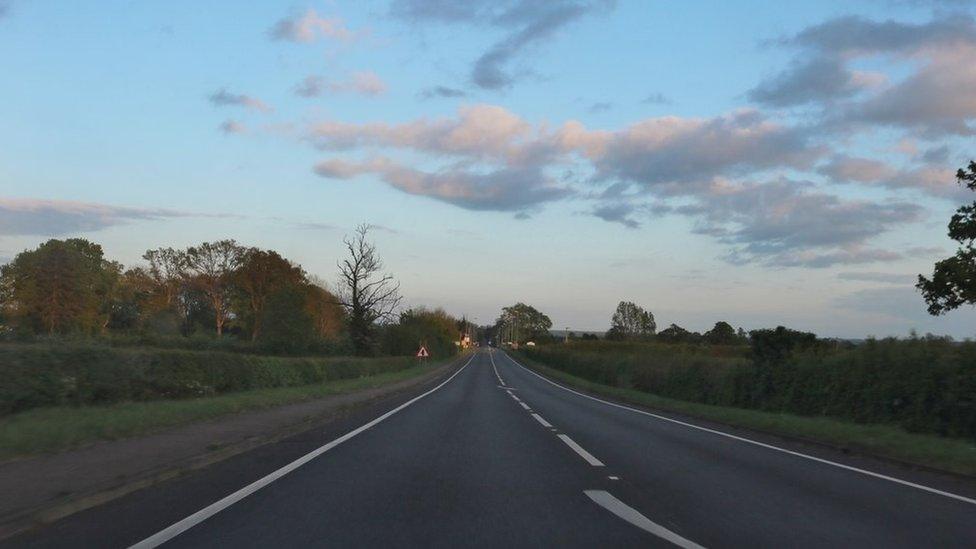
x=787 y=163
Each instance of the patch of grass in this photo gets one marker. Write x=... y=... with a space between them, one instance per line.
x=890 y=441
x=58 y=428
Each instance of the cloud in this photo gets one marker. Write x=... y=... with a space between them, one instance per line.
x=656 y=98
x=928 y=178
x=233 y=127
x=310 y=27
x=498 y=190
x=617 y=212
x=19 y=217
x=784 y=223
x=675 y=154
x=601 y=106
x=526 y=24
x=442 y=92
x=891 y=278
x=822 y=78
x=223 y=98
x=703 y=168
x=937 y=97
x=363 y=83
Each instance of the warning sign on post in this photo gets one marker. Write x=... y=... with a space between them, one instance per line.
x=422 y=353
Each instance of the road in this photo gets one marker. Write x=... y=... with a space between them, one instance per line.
x=499 y=456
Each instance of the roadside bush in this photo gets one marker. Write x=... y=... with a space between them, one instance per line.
x=925 y=385
x=33 y=376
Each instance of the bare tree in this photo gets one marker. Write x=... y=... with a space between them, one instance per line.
x=212 y=264
x=366 y=293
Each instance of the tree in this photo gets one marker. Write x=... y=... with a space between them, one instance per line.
x=367 y=294
x=323 y=307
x=953 y=282
x=212 y=265
x=60 y=286
x=721 y=334
x=260 y=274
x=521 y=322
x=290 y=328
x=630 y=321
x=435 y=329
x=677 y=334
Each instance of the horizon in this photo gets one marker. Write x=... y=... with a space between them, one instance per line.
x=790 y=165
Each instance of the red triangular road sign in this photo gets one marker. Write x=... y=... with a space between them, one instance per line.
x=422 y=353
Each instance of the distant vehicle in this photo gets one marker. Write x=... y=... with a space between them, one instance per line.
x=530 y=344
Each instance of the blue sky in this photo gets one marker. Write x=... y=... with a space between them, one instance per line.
x=787 y=163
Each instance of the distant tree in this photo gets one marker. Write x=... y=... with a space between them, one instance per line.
x=289 y=328
x=435 y=329
x=260 y=274
x=521 y=322
x=953 y=282
x=721 y=334
x=367 y=294
x=630 y=321
x=677 y=334
x=62 y=285
x=589 y=337
x=776 y=346
x=212 y=265
x=167 y=270
x=325 y=310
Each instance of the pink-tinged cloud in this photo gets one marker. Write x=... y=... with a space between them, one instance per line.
x=310 y=27
x=25 y=216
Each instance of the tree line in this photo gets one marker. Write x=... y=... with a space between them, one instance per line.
x=222 y=288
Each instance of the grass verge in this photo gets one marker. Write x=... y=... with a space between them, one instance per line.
x=886 y=441
x=60 y=428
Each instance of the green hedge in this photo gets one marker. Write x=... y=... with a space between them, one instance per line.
x=924 y=385
x=33 y=376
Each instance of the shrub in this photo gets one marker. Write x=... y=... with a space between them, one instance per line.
x=37 y=375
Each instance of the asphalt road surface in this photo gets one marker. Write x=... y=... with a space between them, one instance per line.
x=497 y=456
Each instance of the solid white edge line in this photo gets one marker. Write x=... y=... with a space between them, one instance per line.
x=579 y=450
x=542 y=421
x=607 y=501
x=757 y=443
x=178 y=528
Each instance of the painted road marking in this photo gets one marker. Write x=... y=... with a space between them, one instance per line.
x=542 y=421
x=178 y=528
x=757 y=443
x=524 y=405
x=579 y=450
x=607 y=501
x=613 y=478
x=492 y=359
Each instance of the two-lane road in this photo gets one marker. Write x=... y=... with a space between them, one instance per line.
x=499 y=456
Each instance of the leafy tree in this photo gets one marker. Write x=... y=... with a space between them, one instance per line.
x=212 y=265
x=435 y=329
x=327 y=314
x=721 y=334
x=260 y=274
x=521 y=322
x=62 y=285
x=289 y=328
x=630 y=321
x=677 y=334
x=953 y=282
x=168 y=273
x=367 y=294
x=776 y=346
